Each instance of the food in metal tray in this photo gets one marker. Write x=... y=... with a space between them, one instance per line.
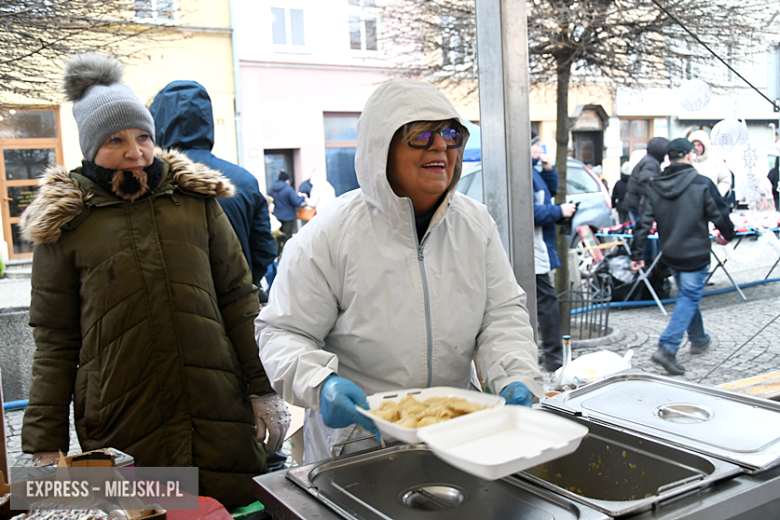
x=411 y=413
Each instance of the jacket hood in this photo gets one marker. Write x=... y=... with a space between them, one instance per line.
x=657 y=147
x=674 y=179
x=704 y=139
x=392 y=105
x=64 y=195
x=183 y=116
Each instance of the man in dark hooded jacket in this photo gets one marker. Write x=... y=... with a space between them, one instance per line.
x=184 y=120
x=649 y=166
x=682 y=202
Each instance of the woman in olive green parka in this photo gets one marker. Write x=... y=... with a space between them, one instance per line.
x=143 y=309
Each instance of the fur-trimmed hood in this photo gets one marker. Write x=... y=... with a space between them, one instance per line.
x=61 y=198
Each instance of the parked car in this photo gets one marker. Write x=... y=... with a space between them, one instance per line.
x=582 y=185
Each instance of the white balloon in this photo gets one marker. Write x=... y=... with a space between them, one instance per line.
x=729 y=134
x=694 y=94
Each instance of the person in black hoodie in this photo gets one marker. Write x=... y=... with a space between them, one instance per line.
x=619 y=195
x=682 y=202
x=649 y=166
x=184 y=120
x=774 y=179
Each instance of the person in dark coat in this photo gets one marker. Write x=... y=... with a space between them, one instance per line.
x=682 y=203
x=774 y=177
x=184 y=120
x=649 y=166
x=618 y=196
x=286 y=203
x=546 y=215
x=305 y=187
x=142 y=303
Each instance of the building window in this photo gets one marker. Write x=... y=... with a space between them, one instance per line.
x=163 y=12
x=29 y=143
x=340 y=148
x=363 y=25
x=287 y=27
x=634 y=134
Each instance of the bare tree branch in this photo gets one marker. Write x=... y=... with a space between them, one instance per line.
x=38 y=36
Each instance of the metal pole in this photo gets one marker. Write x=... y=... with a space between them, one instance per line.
x=502 y=58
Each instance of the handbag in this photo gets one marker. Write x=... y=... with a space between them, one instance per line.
x=306 y=213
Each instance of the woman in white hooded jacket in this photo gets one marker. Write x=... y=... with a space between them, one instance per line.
x=707 y=164
x=397 y=284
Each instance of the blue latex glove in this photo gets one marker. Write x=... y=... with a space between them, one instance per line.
x=517 y=393
x=338 y=397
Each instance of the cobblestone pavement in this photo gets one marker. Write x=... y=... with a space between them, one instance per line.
x=745 y=334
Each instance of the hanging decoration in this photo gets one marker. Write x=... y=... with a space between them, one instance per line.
x=729 y=134
x=751 y=185
x=694 y=94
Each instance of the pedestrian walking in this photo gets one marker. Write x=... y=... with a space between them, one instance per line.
x=682 y=202
x=286 y=203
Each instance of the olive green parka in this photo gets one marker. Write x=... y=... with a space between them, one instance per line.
x=143 y=312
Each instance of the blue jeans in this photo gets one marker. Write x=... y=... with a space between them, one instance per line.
x=686 y=315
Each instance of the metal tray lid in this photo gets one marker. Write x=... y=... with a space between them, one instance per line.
x=737 y=428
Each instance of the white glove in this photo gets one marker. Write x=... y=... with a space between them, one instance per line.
x=271 y=414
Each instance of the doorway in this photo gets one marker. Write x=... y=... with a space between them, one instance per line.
x=276 y=161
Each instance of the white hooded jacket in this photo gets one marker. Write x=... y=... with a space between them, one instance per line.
x=357 y=296
x=710 y=166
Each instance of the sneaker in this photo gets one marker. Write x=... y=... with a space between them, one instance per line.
x=669 y=361
x=700 y=348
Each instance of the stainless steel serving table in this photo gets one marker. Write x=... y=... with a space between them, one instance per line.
x=658 y=449
x=747 y=497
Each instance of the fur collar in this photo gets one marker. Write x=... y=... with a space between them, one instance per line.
x=60 y=198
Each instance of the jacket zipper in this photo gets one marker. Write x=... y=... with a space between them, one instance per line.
x=426 y=297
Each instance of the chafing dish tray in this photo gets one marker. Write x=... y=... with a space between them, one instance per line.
x=620 y=474
x=408 y=482
x=733 y=427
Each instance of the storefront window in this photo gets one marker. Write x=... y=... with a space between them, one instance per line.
x=19 y=124
x=29 y=143
x=634 y=134
x=27 y=164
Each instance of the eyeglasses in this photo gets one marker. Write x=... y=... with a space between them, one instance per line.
x=452 y=138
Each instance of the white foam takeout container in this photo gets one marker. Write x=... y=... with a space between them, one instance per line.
x=410 y=435
x=492 y=444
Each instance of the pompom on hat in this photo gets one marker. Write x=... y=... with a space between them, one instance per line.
x=102 y=105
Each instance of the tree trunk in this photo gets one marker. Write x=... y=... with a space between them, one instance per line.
x=561 y=155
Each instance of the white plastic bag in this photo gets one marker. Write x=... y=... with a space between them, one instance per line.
x=590 y=367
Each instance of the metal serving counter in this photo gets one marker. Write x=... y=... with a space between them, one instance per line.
x=657 y=449
x=747 y=497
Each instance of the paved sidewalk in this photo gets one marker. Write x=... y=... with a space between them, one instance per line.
x=746 y=340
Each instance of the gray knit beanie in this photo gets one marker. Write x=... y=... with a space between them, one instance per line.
x=101 y=104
